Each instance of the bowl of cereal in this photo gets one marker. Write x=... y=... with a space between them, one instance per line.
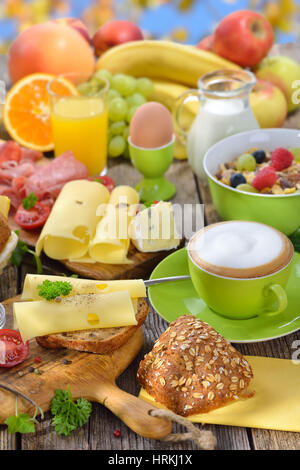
x=255 y=175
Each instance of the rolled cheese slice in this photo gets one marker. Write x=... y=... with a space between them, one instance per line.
x=73 y=220
x=79 y=312
x=135 y=287
x=111 y=241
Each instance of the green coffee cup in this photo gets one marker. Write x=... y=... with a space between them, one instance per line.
x=241 y=297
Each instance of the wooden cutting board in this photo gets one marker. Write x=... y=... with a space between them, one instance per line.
x=89 y=375
x=141 y=267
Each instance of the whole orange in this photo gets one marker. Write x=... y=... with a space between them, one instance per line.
x=52 y=48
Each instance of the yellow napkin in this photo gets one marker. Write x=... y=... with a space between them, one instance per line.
x=275 y=404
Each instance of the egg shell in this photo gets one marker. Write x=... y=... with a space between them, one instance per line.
x=151 y=126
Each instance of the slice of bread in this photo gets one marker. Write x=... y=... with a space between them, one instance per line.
x=98 y=340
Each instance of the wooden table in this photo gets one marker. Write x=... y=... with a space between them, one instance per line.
x=98 y=432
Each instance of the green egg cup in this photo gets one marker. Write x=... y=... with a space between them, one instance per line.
x=153 y=163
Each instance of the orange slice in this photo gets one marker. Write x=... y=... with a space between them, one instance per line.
x=26 y=111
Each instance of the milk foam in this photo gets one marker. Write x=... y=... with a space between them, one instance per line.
x=239 y=245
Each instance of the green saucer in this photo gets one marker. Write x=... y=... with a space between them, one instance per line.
x=174 y=299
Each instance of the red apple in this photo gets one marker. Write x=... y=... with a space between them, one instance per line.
x=206 y=43
x=76 y=24
x=114 y=33
x=244 y=37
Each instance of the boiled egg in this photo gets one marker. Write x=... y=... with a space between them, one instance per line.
x=151 y=126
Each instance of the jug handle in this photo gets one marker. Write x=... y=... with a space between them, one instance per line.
x=191 y=95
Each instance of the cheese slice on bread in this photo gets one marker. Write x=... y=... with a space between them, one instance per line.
x=100 y=340
x=96 y=316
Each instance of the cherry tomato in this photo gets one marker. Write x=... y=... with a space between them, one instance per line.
x=12 y=348
x=10 y=150
x=105 y=180
x=32 y=218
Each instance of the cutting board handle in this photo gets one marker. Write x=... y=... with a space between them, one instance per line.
x=133 y=411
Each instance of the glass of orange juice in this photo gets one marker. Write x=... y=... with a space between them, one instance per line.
x=80 y=121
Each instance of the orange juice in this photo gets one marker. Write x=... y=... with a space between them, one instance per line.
x=80 y=124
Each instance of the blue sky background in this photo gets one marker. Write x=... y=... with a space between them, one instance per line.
x=199 y=21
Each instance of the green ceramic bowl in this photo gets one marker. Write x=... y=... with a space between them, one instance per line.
x=280 y=211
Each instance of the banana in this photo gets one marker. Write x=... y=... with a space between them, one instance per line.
x=167 y=93
x=163 y=60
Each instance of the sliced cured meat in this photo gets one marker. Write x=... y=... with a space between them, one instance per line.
x=9 y=173
x=30 y=155
x=48 y=180
x=15 y=199
x=18 y=185
x=10 y=150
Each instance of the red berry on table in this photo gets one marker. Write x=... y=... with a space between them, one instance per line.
x=281 y=158
x=117 y=433
x=265 y=178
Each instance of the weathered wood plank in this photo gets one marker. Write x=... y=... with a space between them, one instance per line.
x=8 y=288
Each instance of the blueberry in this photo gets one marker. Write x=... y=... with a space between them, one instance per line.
x=237 y=179
x=259 y=156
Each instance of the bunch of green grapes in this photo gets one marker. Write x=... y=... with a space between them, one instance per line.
x=126 y=95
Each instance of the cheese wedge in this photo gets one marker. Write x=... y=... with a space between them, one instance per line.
x=111 y=241
x=154 y=228
x=135 y=287
x=4 y=205
x=78 y=312
x=73 y=220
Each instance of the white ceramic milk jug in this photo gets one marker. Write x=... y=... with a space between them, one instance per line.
x=224 y=110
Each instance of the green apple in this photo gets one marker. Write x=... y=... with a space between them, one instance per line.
x=268 y=104
x=284 y=73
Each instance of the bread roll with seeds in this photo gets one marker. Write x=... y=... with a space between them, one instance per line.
x=193 y=369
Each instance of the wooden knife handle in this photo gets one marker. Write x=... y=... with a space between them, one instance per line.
x=133 y=411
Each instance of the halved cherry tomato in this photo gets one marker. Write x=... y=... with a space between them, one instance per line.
x=105 y=180
x=12 y=349
x=32 y=218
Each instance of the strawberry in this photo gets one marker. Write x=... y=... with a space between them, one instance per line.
x=281 y=158
x=265 y=178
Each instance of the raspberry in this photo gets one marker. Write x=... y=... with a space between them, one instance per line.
x=265 y=178
x=281 y=158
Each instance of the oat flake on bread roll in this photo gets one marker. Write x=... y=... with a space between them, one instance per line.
x=193 y=369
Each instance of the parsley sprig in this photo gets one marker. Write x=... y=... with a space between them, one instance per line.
x=19 y=253
x=50 y=290
x=22 y=422
x=67 y=414
x=29 y=201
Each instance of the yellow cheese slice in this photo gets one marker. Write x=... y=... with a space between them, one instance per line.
x=4 y=205
x=78 y=312
x=73 y=220
x=135 y=287
x=274 y=405
x=111 y=241
x=154 y=229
